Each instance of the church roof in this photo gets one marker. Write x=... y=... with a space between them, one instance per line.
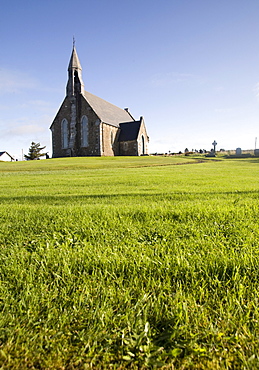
x=107 y=112
x=129 y=131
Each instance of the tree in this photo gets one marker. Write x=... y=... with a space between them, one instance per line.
x=34 y=152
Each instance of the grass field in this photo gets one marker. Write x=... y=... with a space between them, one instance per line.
x=113 y=263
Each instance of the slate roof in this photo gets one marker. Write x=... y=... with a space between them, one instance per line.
x=107 y=112
x=129 y=131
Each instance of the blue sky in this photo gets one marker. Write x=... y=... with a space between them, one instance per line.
x=190 y=67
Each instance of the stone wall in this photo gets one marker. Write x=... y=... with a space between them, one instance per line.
x=129 y=148
x=142 y=133
x=64 y=112
x=82 y=108
x=94 y=127
x=110 y=146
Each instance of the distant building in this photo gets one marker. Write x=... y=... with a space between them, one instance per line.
x=4 y=156
x=87 y=125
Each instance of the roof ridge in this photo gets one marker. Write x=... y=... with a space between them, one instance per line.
x=107 y=112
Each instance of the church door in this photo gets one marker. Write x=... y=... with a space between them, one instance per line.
x=143 y=145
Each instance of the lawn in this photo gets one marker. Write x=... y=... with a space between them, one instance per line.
x=112 y=263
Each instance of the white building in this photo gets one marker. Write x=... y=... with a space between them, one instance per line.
x=4 y=156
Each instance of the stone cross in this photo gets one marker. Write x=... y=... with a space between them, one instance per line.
x=214 y=145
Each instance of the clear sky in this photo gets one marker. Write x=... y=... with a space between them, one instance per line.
x=190 y=67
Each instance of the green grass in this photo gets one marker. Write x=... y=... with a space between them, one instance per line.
x=129 y=263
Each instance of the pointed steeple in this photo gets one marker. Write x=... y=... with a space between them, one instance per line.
x=75 y=82
x=74 y=61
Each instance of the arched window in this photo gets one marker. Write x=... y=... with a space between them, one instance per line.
x=64 y=133
x=143 y=145
x=84 y=131
x=111 y=138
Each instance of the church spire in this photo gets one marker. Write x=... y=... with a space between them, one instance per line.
x=75 y=82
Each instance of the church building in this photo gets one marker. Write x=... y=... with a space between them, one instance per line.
x=87 y=125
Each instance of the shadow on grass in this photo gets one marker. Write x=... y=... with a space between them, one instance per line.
x=245 y=159
x=176 y=196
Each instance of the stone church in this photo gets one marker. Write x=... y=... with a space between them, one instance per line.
x=87 y=125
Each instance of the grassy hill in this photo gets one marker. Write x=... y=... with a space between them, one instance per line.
x=129 y=263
